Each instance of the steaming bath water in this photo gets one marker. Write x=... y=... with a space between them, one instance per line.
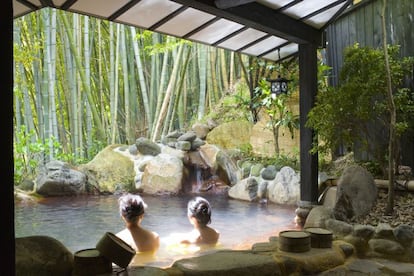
x=79 y=223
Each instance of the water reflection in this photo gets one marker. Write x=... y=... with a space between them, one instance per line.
x=79 y=223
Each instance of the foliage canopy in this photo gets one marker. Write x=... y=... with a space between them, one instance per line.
x=356 y=112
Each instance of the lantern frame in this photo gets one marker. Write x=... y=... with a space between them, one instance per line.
x=278 y=86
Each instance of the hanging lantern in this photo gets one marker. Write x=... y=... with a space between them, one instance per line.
x=278 y=86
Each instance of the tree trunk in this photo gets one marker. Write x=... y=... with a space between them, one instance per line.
x=202 y=59
x=276 y=138
x=231 y=73
x=224 y=74
x=129 y=136
x=391 y=105
x=87 y=60
x=162 y=85
x=111 y=77
x=79 y=99
x=179 y=90
x=248 y=82
x=143 y=86
x=87 y=90
x=170 y=88
x=115 y=92
x=70 y=92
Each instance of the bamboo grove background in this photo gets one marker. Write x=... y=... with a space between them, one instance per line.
x=88 y=83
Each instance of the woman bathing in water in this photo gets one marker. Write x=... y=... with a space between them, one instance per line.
x=132 y=209
x=199 y=214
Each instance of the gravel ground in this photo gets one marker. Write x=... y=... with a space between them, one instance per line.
x=403 y=210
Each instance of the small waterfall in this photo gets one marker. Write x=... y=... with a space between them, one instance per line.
x=198 y=180
x=201 y=178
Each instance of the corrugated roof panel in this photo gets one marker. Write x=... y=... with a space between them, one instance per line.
x=242 y=38
x=97 y=7
x=274 y=4
x=185 y=22
x=59 y=3
x=147 y=12
x=264 y=45
x=20 y=9
x=304 y=8
x=34 y=2
x=319 y=20
x=216 y=31
x=285 y=52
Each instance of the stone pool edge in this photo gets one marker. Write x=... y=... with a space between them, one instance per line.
x=266 y=259
x=263 y=259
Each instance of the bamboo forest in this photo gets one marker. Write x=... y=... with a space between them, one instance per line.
x=81 y=83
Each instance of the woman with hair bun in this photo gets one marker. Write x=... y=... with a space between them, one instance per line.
x=132 y=209
x=199 y=215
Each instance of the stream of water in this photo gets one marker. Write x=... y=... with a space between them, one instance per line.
x=80 y=222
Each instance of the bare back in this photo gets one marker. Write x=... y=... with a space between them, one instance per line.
x=140 y=239
x=207 y=235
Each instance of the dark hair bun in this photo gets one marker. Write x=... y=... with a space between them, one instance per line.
x=204 y=209
x=200 y=208
x=131 y=206
x=134 y=210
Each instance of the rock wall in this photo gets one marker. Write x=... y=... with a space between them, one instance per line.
x=381 y=241
x=263 y=143
x=230 y=135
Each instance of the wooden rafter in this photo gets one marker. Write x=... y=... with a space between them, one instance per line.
x=259 y=17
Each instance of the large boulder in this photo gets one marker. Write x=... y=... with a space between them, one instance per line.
x=162 y=174
x=356 y=193
x=285 y=188
x=282 y=189
x=231 y=135
x=317 y=217
x=263 y=141
x=172 y=151
x=209 y=154
x=226 y=169
x=42 y=255
x=57 y=178
x=110 y=171
x=246 y=189
x=221 y=163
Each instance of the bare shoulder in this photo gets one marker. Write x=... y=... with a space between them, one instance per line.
x=217 y=234
x=208 y=236
x=126 y=236
x=123 y=234
x=155 y=234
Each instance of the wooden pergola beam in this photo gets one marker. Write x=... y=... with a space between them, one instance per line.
x=260 y=17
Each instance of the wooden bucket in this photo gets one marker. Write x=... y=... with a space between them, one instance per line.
x=90 y=262
x=294 y=241
x=320 y=238
x=115 y=249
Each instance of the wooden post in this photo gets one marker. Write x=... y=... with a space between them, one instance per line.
x=308 y=85
x=7 y=262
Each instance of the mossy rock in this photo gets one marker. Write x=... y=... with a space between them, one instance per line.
x=231 y=135
x=110 y=171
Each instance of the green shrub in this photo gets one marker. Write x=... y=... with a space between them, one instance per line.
x=29 y=152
